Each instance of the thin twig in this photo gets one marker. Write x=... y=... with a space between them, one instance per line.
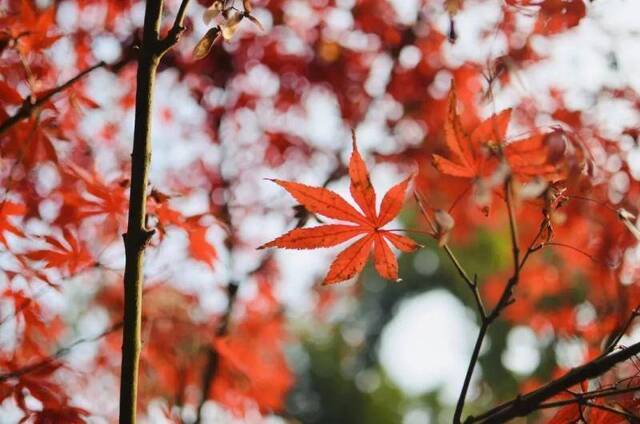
x=633 y=419
x=176 y=30
x=523 y=405
x=505 y=300
x=30 y=103
x=471 y=283
x=615 y=340
x=513 y=227
x=57 y=354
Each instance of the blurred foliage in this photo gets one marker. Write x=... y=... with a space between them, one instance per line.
x=344 y=383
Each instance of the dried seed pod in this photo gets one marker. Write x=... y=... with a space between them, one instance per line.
x=444 y=223
x=213 y=11
x=203 y=47
x=231 y=25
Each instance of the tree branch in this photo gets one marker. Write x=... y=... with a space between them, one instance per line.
x=213 y=358
x=137 y=235
x=176 y=30
x=525 y=404
x=30 y=103
x=57 y=354
x=471 y=283
x=505 y=300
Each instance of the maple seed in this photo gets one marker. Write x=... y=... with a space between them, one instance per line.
x=366 y=223
x=627 y=219
x=203 y=47
x=444 y=223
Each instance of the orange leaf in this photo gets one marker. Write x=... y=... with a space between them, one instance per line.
x=199 y=247
x=9 y=95
x=402 y=243
x=8 y=209
x=73 y=256
x=492 y=130
x=392 y=202
x=350 y=261
x=467 y=159
x=384 y=259
x=324 y=202
x=361 y=189
x=529 y=156
x=312 y=238
x=327 y=203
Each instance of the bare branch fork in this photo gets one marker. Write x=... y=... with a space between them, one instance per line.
x=506 y=298
x=523 y=405
x=138 y=235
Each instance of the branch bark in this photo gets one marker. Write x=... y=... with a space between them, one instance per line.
x=523 y=405
x=137 y=236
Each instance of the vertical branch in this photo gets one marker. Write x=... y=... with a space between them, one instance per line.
x=472 y=364
x=513 y=227
x=213 y=358
x=505 y=300
x=137 y=236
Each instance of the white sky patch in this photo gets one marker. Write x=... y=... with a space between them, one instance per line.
x=323 y=118
x=406 y=10
x=428 y=344
x=570 y=353
x=522 y=355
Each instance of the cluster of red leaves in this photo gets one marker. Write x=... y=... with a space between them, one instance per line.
x=54 y=176
x=253 y=371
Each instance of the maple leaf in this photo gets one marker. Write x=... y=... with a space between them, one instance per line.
x=466 y=159
x=9 y=95
x=199 y=247
x=367 y=224
x=71 y=255
x=530 y=156
x=31 y=29
x=99 y=199
x=8 y=209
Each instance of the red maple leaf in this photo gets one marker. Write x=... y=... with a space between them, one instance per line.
x=531 y=156
x=199 y=247
x=8 y=209
x=368 y=224
x=526 y=157
x=33 y=30
x=99 y=198
x=466 y=158
x=70 y=255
